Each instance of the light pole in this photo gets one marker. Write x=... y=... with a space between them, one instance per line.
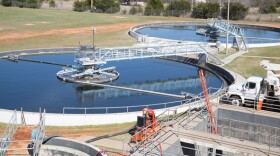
x=227 y=27
x=93 y=33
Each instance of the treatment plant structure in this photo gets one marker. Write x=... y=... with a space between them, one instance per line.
x=183 y=127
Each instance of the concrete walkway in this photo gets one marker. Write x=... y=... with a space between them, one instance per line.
x=232 y=57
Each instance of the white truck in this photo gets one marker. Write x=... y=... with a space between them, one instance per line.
x=266 y=88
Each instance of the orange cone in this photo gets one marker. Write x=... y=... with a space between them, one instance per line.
x=260 y=103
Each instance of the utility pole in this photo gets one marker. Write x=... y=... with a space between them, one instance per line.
x=227 y=27
x=93 y=44
x=91 y=6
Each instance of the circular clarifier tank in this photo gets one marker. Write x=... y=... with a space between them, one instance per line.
x=33 y=85
x=253 y=34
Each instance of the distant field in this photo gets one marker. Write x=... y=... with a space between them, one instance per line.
x=22 y=28
x=247 y=65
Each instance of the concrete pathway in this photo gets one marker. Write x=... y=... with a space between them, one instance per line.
x=106 y=143
x=232 y=57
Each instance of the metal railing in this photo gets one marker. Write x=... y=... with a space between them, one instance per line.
x=39 y=51
x=40 y=134
x=232 y=29
x=269 y=104
x=10 y=131
x=8 y=134
x=125 y=53
x=167 y=118
x=127 y=109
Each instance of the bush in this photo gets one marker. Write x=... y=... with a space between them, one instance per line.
x=153 y=7
x=22 y=3
x=140 y=10
x=177 y=8
x=269 y=6
x=108 y=6
x=206 y=10
x=237 y=11
x=52 y=3
x=7 y=3
x=124 y=12
x=133 y=10
x=80 y=6
x=34 y=4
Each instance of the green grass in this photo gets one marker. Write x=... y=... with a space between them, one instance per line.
x=90 y=130
x=18 y=20
x=95 y=130
x=2 y=128
x=248 y=66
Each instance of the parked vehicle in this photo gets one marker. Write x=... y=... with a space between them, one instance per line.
x=257 y=88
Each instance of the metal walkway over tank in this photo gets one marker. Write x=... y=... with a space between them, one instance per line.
x=88 y=56
x=238 y=33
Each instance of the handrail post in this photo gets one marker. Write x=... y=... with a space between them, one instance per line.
x=85 y=110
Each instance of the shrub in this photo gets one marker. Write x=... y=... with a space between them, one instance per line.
x=154 y=7
x=237 y=11
x=22 y=3
x=124 y=11
x=140 y=10
x=133 y=10
x=269 y=6
x=80 y=6
x=7 y=3
x=206 y=10
x=52 y=3
x=177 y=8
x=108 y=6
x=34 y=4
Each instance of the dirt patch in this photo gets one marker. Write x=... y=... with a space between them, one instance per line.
x=119 y=17
x=22 y=135
x=29 y=24
x=99 y=29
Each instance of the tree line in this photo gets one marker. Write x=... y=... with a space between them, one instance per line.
x=210 y=9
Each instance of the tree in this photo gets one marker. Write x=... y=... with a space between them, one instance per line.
x=109 y=6
x=206 y=10
x=237 y=11
x=51 y=3
x=80 y=6
x=6 y=3
x=268 y=6
x=154 y=7
x=178 y=7
x=133 y=10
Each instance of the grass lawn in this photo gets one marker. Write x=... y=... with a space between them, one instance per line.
x=77 y=131
x=250 y=66
x=43 y=25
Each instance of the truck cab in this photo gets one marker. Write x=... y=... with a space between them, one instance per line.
x=248 y=91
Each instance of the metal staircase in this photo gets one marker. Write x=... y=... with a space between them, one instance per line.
x=239 y=39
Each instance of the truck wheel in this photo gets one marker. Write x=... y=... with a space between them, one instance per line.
x=236 y=100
